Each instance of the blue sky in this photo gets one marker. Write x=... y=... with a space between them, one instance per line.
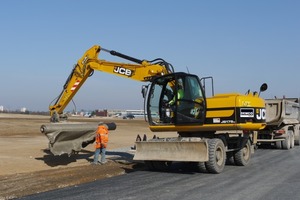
x=240 y=43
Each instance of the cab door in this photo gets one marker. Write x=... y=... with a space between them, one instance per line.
x=176 y=98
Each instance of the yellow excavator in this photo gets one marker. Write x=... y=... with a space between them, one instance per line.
x=211 y=130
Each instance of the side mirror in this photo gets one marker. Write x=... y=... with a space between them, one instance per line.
x=263 y=88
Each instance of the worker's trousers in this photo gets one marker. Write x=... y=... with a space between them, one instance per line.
x=97 y=152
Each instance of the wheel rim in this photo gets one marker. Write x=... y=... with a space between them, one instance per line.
x=219 y=156
x=246 y=154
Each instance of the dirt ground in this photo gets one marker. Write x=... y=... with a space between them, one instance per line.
x=28 y=167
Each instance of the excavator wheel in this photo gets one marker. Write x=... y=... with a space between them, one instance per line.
x=201 y=167
x=197 y=166
x=229 y=158
x=217 y=156
x=243 y=155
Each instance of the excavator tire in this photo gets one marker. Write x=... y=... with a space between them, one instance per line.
x=197 y=167
x=201 y=167
x=217 y=156
x=229 y=158
x=242 y=156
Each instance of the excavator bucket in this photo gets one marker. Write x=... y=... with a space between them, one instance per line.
x=172 y=150
x=67 y=138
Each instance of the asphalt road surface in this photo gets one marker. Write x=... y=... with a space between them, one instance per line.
x=272 y=174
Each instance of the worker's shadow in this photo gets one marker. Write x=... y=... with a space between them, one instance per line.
x=53 y=161
x=119 y=156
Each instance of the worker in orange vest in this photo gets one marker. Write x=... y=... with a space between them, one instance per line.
x=101 y=143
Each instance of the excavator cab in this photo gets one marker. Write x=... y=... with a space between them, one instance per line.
x=176 y=99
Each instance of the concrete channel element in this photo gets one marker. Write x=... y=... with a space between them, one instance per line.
x=70 y=137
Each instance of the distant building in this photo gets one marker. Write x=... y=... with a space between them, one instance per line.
x=23 y=110
x=135 y=113
x=101 y=113
x=121 y=113
x=116 y=113
x=1 y=108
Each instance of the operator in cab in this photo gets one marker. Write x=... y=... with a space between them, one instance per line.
x=180 y=93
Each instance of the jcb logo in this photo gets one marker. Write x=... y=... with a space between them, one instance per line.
x=123 y=71
x=261 y=114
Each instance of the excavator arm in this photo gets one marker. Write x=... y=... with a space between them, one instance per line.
x=72 y=137
x=143 y=71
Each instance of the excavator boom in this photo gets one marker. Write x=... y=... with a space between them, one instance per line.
x=84 y=68
x=69 y=138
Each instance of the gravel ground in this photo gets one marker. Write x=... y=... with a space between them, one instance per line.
x=27 y=166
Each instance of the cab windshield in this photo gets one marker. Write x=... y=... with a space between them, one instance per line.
x=176 y=99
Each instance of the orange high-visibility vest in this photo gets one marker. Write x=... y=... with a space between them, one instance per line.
x=101 y=137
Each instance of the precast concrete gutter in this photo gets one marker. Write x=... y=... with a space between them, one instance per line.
x=71 y=137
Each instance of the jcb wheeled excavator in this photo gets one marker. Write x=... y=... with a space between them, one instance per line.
x=209 y=128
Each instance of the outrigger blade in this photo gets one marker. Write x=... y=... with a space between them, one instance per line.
x=172 y=150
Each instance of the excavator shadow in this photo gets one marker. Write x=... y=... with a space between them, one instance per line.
x=53 y=161
x=178 y=168
x=120 y=157
x=267 y=146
